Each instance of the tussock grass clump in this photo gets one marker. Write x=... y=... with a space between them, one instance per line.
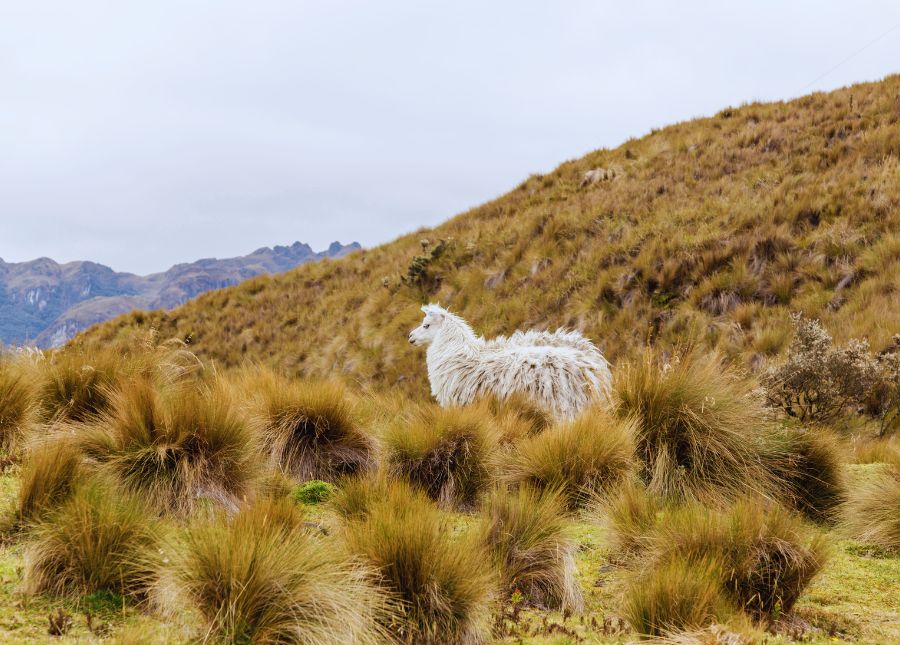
x=445 y=452
x=259 y=578
x=524 y=410
x=809 y=468
x=312 y=428
x=872 y=511
x=877 y=451
x=99 y=539
x=631 y=515
x=437 y=574
x=175 y=445
x=580 y=459
x=355 y=496
x=17 y=405
x=73 y=386
x=767 y=555
x=699 y=429
x=526 y=532
x=50 y=472
x=675 y=597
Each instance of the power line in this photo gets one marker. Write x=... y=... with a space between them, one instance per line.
x=853 y=55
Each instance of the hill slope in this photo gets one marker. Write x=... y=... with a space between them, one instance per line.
x=49 y=302
x=714 y=229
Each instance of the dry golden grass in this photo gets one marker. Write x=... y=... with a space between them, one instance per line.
x=720 y=227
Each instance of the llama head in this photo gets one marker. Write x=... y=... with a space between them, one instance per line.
x=435 y=316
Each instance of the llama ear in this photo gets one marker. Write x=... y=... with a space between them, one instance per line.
x=433 y=310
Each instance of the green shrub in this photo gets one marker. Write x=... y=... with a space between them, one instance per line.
x=313 y=492
x=436 y=573
x=527 y=534
x=258 y=578
x=872 y=511
x=99 y=539
x=175 y=445
x=445 y=452
x=312 y=429
x=580 y=459
x=699 y=430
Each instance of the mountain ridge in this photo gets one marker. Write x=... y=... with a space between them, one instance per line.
x=47 y=302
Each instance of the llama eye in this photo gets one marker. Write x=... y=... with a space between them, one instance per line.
x=426 y=326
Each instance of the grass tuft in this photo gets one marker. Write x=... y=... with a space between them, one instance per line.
x=313 y=429
x=445 y=452
x=527 y=533
x=99 y=539
x=699 y=429
x=258 y=578
x=436 y=573
x=175 y=445
x=872 y=511
x=49 y=474
x=17 y=406
x=580 y=459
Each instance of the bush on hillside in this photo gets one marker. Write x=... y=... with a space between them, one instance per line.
x=99 y=539
x=818 y=381
x=175 y=445
x=580 y=459
x=527 y=534
x=699 y=430
x=436 y=573
x=445 y=452
x=312 y=429
x=872 y=511
x=259 y=578
x=809 y=467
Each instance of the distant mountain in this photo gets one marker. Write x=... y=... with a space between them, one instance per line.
x=46 y=303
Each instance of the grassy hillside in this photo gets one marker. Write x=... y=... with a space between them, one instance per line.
x=714 y=229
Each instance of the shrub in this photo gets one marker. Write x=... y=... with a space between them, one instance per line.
x=445 y=452
x=580 y=458
x=355 y=496
x=16 y=406
x=872 y=512
x=818 y=381
x=257 y=578
x=175 y=445
x=312 y=429
x=77 y=387
x=49 y=474
x=526 y=532
x=100 y=539
x=313 y=492
x=699 y=429
x=766 y=555
x=677 y=596
x=436 y=573
x=809 y=468
x=883 y=400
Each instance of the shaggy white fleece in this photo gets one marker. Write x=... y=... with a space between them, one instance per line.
x=562 y=371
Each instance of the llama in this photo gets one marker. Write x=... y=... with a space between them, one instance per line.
x=562 y=371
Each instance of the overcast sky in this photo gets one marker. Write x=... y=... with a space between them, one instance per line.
x=141 y=134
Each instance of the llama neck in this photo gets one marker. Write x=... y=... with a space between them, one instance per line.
x=455 y=337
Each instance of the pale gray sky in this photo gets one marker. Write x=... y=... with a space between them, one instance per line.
x=141 y=134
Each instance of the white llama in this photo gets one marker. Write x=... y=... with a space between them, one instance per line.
x=562 y=371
